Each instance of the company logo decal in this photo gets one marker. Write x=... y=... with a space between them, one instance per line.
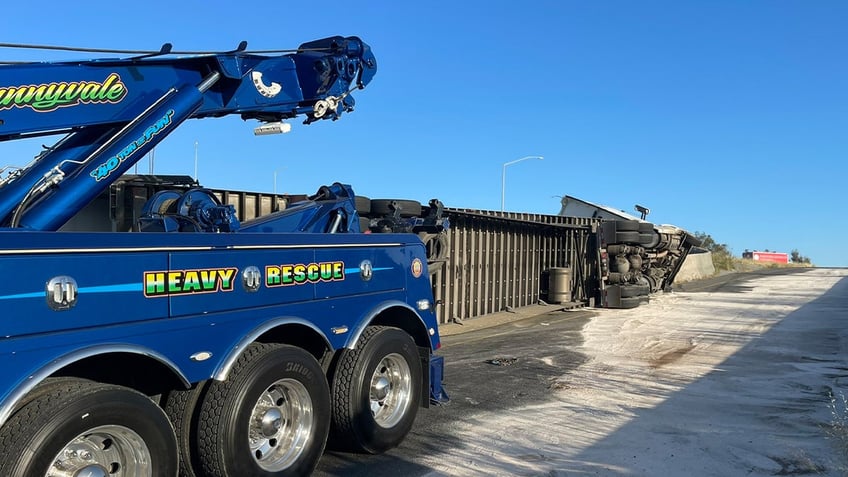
x=47 y=97
x=299 y=274
x=417 y=268
x=269 y=91
x=104 y=170
x=184 y=282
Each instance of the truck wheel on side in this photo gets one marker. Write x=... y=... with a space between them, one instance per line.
x=363 y=206
x=376 y=391
x=649 y=240
x=269 y=418
x=628 y=291
x=182 y=408
x=88 y=428
x=45 y=387
x=627 y=237
x=364 y=224
x=626 y=225
x=631 y=302
x=408 y=208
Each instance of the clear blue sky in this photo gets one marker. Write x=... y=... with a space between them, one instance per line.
x=726 y=117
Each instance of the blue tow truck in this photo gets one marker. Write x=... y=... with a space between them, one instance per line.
x=196 y=344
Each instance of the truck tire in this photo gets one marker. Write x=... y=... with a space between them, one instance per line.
x=631 y=302
x=269 y=418
x=627 y=237
x=182 y=408
x=408 y=208
x=363 y=206
x=633 y=290
x=436 y=245
x=47 y=386
x=649 y=240
x=376 y=391
x=646 y=228
x=627 y=225
x=364 y=224
x=118 y=428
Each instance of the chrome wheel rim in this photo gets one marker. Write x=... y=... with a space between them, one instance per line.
x=101 y=452
x=390 y=391
x=280 y=425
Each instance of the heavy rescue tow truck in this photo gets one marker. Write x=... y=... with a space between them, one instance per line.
x=196 y=344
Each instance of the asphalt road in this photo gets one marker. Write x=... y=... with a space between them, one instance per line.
x=731 y=282
x=497 y=370
x=489 y=369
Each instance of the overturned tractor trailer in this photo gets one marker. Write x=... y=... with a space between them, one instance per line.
x=637 y=257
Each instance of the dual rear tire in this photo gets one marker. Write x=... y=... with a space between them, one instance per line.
x=376 y=391
x=270 y=417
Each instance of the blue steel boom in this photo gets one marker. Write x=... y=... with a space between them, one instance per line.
x=130 y=105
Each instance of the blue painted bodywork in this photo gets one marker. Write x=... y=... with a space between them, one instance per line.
x=190 y=301
x=112 y=307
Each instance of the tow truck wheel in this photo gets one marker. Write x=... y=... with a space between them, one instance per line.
x=87 y=428
x=376 y=391
x=268 y=418
x=182 y=408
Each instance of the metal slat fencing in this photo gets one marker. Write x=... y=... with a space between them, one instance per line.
x=498 y=261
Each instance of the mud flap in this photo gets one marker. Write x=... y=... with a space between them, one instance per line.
x=438 y=395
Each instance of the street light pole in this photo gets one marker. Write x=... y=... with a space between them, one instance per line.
x=503 y=176
x=275 y=178
x=195 y=161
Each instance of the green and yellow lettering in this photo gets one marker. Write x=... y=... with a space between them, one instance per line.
x=209 y=279
x=299 y=273
x=226 y=275
x=175 y=282
x=272 y=275
x=191 y=282
x=313 y=272
x=326 y=271
x=154 y=283
x=287 y=275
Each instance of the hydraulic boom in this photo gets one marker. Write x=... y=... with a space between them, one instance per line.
x=114 y=111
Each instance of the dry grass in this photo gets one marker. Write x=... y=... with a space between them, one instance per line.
x=747 y=265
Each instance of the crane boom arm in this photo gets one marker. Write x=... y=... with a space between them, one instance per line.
x=115 y=110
